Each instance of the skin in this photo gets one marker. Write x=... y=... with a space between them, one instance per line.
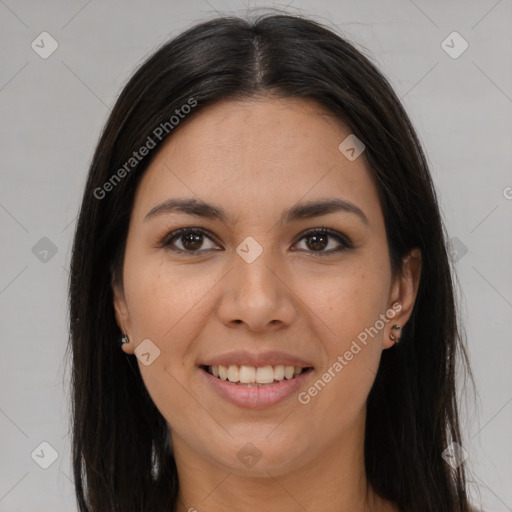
x=256 y=158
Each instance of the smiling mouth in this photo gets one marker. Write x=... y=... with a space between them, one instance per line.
x=252 y=376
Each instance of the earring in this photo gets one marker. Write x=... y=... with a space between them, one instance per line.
x=391 y=336
x=123 y=339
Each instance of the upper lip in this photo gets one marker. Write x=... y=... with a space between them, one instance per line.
x=247 y=358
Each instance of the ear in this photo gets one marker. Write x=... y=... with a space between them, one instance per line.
x=122 y=313
x=404 y=291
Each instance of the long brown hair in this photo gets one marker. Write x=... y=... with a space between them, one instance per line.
x=121 y=458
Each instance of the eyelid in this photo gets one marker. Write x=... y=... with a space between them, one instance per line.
x=165 y=242
x=342 y=239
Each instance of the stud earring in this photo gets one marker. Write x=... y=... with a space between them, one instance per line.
x=123 y=339
x=395 y=327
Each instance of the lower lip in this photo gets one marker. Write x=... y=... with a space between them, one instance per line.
x=256 y=397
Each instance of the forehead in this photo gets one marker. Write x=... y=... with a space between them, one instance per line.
x=254 y=155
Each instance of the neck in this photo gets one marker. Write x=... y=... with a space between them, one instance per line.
x=334 y=481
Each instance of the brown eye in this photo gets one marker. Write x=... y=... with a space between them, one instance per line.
x=191 y=240
x=317 y=240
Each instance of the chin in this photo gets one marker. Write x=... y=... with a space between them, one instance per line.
x=260 y=457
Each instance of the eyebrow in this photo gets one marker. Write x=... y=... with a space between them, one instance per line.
x=305 y=210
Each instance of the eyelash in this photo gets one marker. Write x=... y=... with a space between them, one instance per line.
x=166 y=241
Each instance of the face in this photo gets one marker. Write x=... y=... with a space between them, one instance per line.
x=260 y=281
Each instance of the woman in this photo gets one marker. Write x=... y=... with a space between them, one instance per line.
x=260 y=230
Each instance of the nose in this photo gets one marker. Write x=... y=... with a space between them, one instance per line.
x=257 y=295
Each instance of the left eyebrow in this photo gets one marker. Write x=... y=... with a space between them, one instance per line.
x=298 y=211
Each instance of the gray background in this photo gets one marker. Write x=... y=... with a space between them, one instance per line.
x=52 y=111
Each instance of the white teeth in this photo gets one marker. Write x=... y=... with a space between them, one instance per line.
x=264 y=375
x=288 y=372
x=247 y=374
x=279 y=372
x=252 y=375
x=233 y=373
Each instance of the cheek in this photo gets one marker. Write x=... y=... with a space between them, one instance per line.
x=166 y=307
x=349 y=298
x=350 y=302
x=164 y=298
